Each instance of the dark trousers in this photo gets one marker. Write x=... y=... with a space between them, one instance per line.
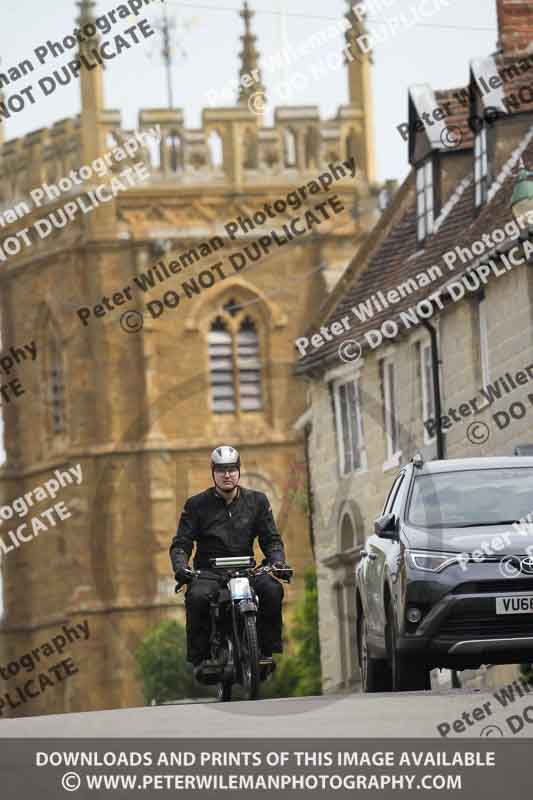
x=269 y=620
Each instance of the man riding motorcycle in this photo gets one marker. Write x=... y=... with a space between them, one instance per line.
x=223 y=521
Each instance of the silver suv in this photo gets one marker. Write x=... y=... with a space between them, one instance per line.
x=447 y=577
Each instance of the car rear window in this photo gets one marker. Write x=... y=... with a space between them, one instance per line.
x=471 y=497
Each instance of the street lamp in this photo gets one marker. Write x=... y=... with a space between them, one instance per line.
x=522 y=198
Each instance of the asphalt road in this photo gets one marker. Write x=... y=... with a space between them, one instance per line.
x=406 y=714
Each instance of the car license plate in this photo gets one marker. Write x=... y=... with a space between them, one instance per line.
x=519 y=604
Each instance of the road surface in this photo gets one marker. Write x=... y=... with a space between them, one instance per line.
x=413 y=714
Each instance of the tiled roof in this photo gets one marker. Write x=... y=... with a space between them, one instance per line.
x=396 y=259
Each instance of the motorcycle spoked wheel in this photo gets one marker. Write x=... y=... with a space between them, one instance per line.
x=250 y=658
x=225 y=686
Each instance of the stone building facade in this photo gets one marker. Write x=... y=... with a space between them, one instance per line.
x=371 y=390
x=141 y=409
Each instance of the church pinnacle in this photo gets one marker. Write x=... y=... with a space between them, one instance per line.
x=93 y=131
x=86 y=11
x=359 y=63
x=249 y=60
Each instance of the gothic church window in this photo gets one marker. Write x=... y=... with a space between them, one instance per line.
x=221 y=367
x=234 y=361
x=55 y=385
x=249 y=366
x=57 y=388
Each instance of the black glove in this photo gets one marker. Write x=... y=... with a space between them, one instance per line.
x=182 y=573
x=282 y=569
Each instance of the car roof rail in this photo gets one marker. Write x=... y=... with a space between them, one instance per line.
x=417 y=460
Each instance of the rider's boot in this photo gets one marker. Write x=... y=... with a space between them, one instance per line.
x=267 y=666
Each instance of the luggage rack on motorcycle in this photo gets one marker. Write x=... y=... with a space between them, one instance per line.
x=233 y=561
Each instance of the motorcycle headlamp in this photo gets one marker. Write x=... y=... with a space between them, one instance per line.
x=431 y=561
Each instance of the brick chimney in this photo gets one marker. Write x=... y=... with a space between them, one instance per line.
x=515 y=26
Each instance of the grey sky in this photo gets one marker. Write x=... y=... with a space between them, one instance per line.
x=437 y=51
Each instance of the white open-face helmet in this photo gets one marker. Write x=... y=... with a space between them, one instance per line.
x=225 y=456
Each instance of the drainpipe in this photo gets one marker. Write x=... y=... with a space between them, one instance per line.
x=436 y=385
x=310 y=498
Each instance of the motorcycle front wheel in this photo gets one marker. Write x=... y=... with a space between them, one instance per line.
x=250 y=658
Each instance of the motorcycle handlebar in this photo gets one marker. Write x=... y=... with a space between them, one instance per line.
x=282 y=574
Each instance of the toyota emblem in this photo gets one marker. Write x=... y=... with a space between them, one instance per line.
x=526 y=565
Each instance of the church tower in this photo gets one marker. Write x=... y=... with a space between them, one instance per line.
x=177 y=348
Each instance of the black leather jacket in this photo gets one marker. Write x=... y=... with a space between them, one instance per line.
x=225 y=530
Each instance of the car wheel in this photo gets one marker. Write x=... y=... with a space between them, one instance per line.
x=375 y=673
x=405 y=675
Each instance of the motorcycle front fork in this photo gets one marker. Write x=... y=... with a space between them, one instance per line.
x=217 y=635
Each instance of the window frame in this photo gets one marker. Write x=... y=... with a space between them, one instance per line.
x=392 y=456
x=393 y=491
x=425 y=213
x=399 y=495
x=233 y=326
x=231 y=370
x=361 y=451
x=428 y=389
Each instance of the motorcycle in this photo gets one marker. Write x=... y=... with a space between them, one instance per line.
x=233 y=642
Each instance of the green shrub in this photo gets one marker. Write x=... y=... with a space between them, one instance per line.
x=299 y=673
x=162 y=665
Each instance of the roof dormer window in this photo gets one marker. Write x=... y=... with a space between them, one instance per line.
x=425 y=200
